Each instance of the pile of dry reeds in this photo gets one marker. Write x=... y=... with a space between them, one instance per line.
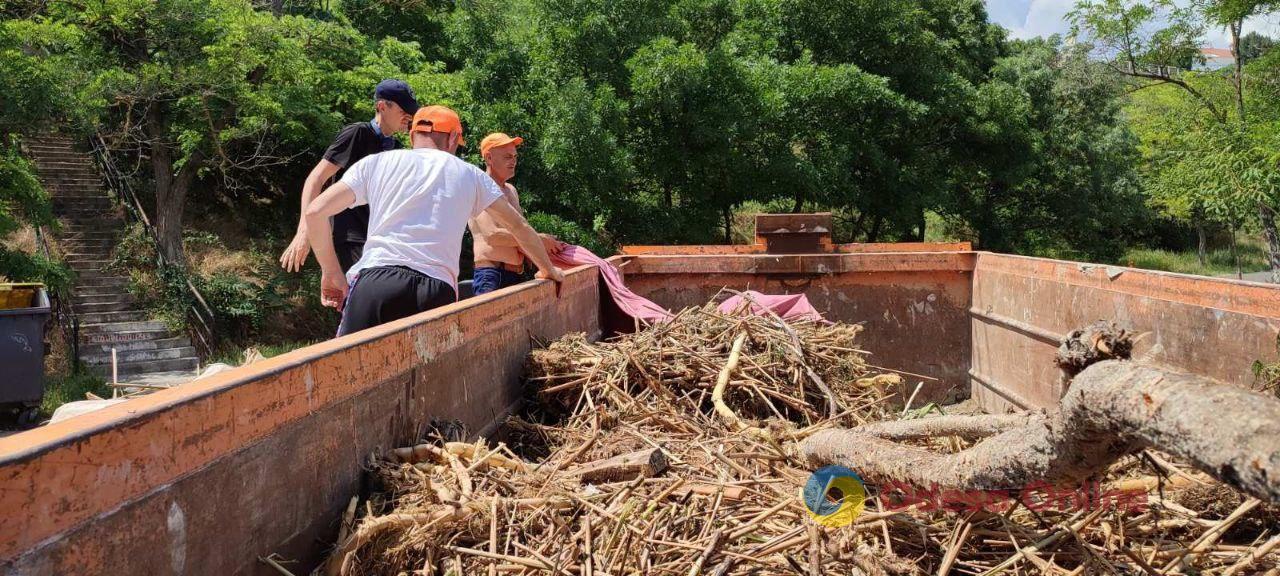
x=671 y=451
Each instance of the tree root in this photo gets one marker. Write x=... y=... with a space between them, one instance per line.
x=1113 y=409
x=1102 y=340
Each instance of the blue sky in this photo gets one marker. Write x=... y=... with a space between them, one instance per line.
x=1029 y=18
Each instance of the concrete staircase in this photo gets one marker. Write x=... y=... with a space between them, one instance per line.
x=109 y=317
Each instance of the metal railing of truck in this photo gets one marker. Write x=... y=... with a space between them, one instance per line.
x=200 y=318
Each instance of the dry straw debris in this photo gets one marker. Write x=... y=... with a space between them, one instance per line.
x=673 y=451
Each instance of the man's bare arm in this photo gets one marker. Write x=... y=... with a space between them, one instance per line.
x=296 y=254
x=333 y=286
x=530 y=242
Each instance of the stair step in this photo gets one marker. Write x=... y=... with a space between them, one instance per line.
x=48 y=144
x=82 y=199
x=83 y=187
x=76 y=230
x=139 y=355
x=48 y=137
x=91 y=202
x=91 y=276
x=87 y=253
x=112 y=317
x=43 y=158
x=49 y=164
x=88 y=232
x=37 y=148
x=118 y=339
x=102 y=253
x=112 y=282
x=102 y=248
x=161 y=340
x=86 y=214
x=93 y=292
x=108 y=298
x=149 y=366
x=69 y=176
x=121 y=305
x=96 y=333
x=66 y=177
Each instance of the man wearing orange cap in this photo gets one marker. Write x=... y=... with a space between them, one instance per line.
x=498 y=261
x=419 y=202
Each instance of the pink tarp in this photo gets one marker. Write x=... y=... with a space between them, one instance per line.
x=633 y=304
x=788 y=306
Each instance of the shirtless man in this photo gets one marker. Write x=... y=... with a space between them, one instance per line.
x=498 y=259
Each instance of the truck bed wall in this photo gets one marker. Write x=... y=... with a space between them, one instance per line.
x=914 y=305
x=205 y=478
x=1022 y=307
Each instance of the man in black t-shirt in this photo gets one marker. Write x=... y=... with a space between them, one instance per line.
x=395 y=106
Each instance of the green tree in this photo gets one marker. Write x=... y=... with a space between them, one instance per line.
x=1253 y=45
x=36 y=77
x=1147 y=39
x=1050 y=164
x=215 y=88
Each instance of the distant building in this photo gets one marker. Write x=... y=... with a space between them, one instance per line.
x=1214 y=59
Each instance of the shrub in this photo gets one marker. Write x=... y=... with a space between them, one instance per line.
x=23 y=204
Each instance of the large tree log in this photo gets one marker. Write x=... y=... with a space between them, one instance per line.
x=966 y=427
x=1113 y=409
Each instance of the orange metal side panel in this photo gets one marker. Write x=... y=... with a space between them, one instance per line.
x=204 y=478
x=1022 y=306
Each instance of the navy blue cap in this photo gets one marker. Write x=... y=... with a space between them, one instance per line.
x=396 y=91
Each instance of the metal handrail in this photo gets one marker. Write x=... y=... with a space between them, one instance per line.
x=200 y=315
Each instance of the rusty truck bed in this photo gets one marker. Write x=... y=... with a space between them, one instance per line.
x=205 y=478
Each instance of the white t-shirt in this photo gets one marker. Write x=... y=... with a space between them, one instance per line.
x=419 y=203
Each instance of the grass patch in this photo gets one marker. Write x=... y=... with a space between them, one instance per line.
x=236 y=356
x=1253 y=258
x=62 y=388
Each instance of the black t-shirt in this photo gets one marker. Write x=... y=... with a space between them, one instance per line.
x=354 y=142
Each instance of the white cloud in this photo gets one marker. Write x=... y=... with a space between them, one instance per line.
x=1043 y=18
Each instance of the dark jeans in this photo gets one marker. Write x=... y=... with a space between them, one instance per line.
x=348 y=253
x=487 y=280
x=387 y=293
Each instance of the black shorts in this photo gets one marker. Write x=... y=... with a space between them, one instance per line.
x=387 y=293
x=349 y=252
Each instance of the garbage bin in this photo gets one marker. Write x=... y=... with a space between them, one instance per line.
x=24 y=309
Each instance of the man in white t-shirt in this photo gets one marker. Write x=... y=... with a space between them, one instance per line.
x=419 y=203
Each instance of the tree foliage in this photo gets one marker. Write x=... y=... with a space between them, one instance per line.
x=644 y=120
x=1050 y=162
x=1216 y=160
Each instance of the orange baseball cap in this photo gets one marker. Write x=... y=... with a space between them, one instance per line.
x=437 y=119
x=498 y=139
